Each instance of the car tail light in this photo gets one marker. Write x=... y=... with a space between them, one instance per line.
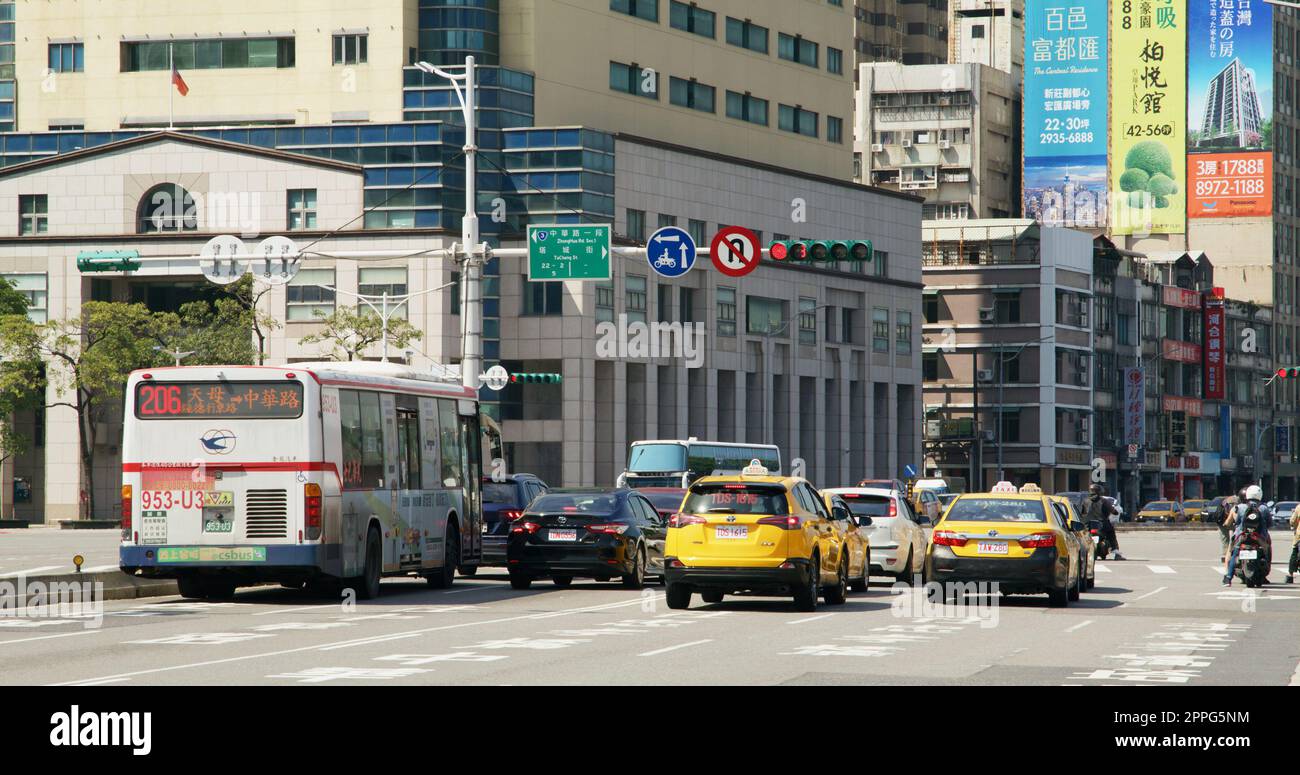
x=525 y=527
x=510 y=515
x=1094 y=531
x=893 y=507
x=610 y=529
x=126 y=511
x=790 y=522
x=947 y=538
x=313 y=505
x=682 y=520
x=676 y=563
x=1037 y=541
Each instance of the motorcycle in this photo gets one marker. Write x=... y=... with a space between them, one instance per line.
x=1099 y=539
x=1254 y=552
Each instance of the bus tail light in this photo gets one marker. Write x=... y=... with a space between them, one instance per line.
x=1037 y=541
x=790 y=522
x=947 y=538
x=312 y=507
x=682 y=520
x=126 y=511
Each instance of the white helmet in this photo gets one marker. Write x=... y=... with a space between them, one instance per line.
x=1254 y=493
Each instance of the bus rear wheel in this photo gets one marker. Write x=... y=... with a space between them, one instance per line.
x=369 y=587
x=443 y=577
x=190 y=587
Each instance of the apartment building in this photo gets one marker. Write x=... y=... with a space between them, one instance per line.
x=988 y=32
x=947 y=133
x=913 y=32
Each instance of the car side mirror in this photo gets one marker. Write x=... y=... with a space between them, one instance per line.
x=839 y=513
x=1076 y=526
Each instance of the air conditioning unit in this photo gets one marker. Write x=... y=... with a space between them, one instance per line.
x=945 y=144
x=945 y=100
x=984 y=375
x=907 y=142
x=877 y=147
x=987 y=315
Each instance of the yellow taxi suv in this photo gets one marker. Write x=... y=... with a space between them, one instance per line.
x=760 y=533
x=1009 y=537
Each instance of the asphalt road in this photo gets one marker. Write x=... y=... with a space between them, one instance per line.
x=41 y=550
x=1160 y=617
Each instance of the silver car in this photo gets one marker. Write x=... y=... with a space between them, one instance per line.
x=896 y=531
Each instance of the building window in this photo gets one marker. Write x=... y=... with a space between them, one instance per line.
x=930 y=367
x=807 y=321
x=665 y=302
x=834 y=61
x=686 y=305
x=306 y=299
x=765 y=316
x=35 y=287
x=930 y=307
x=351 y=49
x=634 y=298
x=692 y=19
x=302 y=209
x=849 y=325
x=642 y=9
x=794 y=48
x=746 y=107
x=667 y=220
x=793 y=118
x=636 y=225
x=904 y=346
x=634 y=79
x=454 y=291
x=1006 y=306
x=880 y=330
x=167 y=207
x=33 y=214
x=211 y=54
x=878 y=266
x=1010 y=422
x=834 y=129
x=698 y=230
x=726 y=311
x=378 y=280
x=691 y=94
x=747 y=35
x=67 y=57
x=605 y=303
x=543 y=298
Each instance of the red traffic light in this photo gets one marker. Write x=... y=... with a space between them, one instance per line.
x=1286 y=372
x=778 y=251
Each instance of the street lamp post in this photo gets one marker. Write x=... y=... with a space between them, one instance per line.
x=1259 y=465
x=386 y=313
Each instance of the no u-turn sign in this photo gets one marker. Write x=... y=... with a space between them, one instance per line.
x=735 y=251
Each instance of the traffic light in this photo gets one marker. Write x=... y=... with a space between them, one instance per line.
x=1288 y=371
x=821 y=250
x=536 y=379
x=108 y=261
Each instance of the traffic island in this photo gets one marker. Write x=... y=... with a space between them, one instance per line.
x=1156 y=528
x=14 y=524
x=64 y=587
x=89 y=524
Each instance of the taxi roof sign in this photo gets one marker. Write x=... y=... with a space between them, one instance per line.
x=1003 y=487
x=755 y=468
x=1030 y=488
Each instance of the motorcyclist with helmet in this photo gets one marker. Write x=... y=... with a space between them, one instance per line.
x=1295 y=548
x=1254 y=496
x=1099 y=510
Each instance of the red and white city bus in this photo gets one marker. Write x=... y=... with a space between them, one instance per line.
x=303 y=474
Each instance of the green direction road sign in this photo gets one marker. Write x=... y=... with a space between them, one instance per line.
x=569 y=252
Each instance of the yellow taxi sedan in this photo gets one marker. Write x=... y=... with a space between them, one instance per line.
x=1162 y=511
x=1006 y=537
x=765 y=534
x=1194 y=510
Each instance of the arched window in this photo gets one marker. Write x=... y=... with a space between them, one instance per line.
x=167 y=207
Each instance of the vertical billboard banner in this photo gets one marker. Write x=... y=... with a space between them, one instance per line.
x=1135 y=414
x=1065 y=112
x=1148 y=111
x=1215 y=366
x=1229 y=108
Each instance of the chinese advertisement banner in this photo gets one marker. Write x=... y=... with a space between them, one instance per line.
x=1229 y=108
x=1065 y=112
x=1148 y=167
x=1215 y=373
x=1135 y=415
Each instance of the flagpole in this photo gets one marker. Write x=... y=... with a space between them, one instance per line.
x=171 y=85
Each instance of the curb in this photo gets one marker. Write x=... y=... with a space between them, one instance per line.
x=14 y=524
x=117 y=585
x=1138 y=528
x=89 y=524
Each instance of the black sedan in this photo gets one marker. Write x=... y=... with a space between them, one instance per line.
x=591 y=533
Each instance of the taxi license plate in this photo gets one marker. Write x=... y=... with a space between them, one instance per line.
x=731 y=532
x=992 y=547
x=562 y=535
x=1249 y=554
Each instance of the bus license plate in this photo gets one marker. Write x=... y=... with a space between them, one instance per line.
x=992 y=547
x=218 y=526
x=562 y=535
x=1249 y=554
x=731 y=531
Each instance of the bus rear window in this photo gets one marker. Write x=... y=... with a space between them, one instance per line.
x=280 y=400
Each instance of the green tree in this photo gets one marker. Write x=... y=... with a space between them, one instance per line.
x=90 y=357
x=349 y=332
x=249 y=295
x=22 y=382
x=217 y=332
x=12 y=302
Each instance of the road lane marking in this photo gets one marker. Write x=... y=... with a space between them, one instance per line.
x=29 y=571
x=1144 y=597
x=318 y=647
x=811 y=619
x=1295 y=679
x=1103 y=568
x=1161 y=569
x=50 y=637
x=674 y=648
x=105 y=682
x=324 y=606
x=1080 y=625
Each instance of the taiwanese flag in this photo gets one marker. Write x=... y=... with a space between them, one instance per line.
x=179 y=82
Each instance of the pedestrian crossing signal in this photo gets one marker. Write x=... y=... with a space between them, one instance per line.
x=536 y=379
x=821 y=250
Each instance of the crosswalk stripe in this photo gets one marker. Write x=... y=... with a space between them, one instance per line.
x=1103 y=568
x=1161 y=569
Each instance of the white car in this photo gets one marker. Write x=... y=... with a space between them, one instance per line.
x=896 y=531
